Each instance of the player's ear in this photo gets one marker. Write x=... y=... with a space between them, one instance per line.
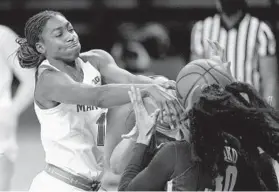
x=40 y=47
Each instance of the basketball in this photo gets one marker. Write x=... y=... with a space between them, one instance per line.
x=199 y=72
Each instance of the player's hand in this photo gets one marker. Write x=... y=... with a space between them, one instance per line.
x=183 y=125
x=172 y=110
x=170 y=84
x=159 y=95
x=145 y=123
x=179 y=118
x=216 y=52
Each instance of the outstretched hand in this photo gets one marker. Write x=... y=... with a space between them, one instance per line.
x=170 y=84
x=145 y=123
x=217 y=52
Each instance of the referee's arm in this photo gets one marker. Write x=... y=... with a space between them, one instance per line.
x=268 y=63
x=197 y=48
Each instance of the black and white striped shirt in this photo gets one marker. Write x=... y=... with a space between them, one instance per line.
x=248 y=40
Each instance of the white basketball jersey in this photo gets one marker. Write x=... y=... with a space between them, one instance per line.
x=73 y=135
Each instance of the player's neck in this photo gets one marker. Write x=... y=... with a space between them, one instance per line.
x=231 y=20
x=64 y=66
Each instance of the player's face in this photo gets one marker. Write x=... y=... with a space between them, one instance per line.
x=59 y=39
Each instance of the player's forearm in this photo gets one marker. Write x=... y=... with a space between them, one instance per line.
x=105 y=96
x=135 y=166
x=141 y=79
x=111 y=95
x=23 y=97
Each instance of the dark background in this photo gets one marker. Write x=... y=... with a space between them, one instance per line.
x=96 y=20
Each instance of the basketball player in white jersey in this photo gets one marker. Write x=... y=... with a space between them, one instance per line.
x=70 y=101
x=11 y=107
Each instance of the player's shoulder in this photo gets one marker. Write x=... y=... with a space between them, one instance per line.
x=177 y=147
x=96 y=54
x=168 y=147
x=97 y=57
x=47 y=73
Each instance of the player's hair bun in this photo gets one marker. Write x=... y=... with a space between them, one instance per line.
x=28 y=57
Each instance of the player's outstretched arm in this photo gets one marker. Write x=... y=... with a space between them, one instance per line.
x=111 y=73
x=59 y=87
x=152 y=178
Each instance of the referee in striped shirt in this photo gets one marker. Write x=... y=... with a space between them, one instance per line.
x=249 y=42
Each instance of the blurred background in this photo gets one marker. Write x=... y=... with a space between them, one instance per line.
x=162 y=29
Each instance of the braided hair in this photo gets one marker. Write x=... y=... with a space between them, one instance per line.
x=221 y=111
x=27 y=53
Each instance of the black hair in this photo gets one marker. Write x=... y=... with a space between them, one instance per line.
x=220 y=111
x=27 y=53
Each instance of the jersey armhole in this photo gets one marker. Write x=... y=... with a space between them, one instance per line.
x=39 y=71
x=93 y=64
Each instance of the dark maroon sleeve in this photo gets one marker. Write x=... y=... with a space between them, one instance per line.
x=267 y=172
x=155 y=176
